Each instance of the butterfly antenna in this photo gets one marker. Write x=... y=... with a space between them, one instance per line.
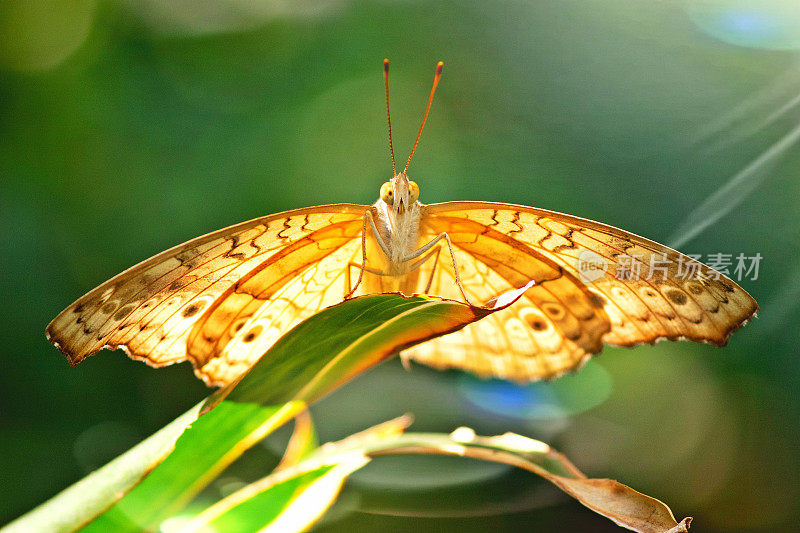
x=388 y=115
x=436 y=77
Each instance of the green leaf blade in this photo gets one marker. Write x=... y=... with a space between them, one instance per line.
x=358 y=334
x=281 y=503
x=317 y=356
x=209 y=445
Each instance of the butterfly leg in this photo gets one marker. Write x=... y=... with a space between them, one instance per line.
x=363 y=266
x=433 y=253
x=361 y=269
x=430 y=245
x=374 y=271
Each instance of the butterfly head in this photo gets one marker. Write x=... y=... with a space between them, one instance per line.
x=400 y=194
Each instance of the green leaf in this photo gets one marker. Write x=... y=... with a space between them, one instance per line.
x=201 y=453
x=302 y=442
x=92 y=495
x=317 y=356
x=290 y=500
x=342 y=341
x=296 y=497
x=314 y=358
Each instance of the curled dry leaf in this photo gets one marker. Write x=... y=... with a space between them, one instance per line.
x=323 y=473
x=621 y=504
x=626 y=507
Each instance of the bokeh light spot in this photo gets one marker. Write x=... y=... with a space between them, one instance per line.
x=190 y=17
x=103 y=442
x=40 y=35
x=560 y=398
x=766 y=24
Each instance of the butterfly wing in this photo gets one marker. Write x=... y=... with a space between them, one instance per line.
x=151 y=309
x=562 y=320
x=299 y=280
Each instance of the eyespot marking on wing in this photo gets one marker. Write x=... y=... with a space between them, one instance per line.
x=653 y=303
x=677 y=297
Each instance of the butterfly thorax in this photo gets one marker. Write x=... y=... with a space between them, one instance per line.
x=397 y=221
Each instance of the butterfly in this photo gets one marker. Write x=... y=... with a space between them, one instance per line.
x=222 y=299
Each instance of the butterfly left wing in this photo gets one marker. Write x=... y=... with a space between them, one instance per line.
x=299 y=280
x=562 y=321
x=150 y=309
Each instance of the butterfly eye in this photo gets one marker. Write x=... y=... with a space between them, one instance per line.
x=387 y=195
x=413 y=191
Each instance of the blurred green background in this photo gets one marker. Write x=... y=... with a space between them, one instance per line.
x=128 y=127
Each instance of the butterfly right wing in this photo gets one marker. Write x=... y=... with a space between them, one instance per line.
x=149 y=309
x=551 y=329
x=563 y=320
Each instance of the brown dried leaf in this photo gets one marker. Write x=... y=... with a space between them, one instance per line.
x=623 y=505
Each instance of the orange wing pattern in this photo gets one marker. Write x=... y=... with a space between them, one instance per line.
x=561 y=321
x=291 y=285
x=151 y=309
x=223 y=299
